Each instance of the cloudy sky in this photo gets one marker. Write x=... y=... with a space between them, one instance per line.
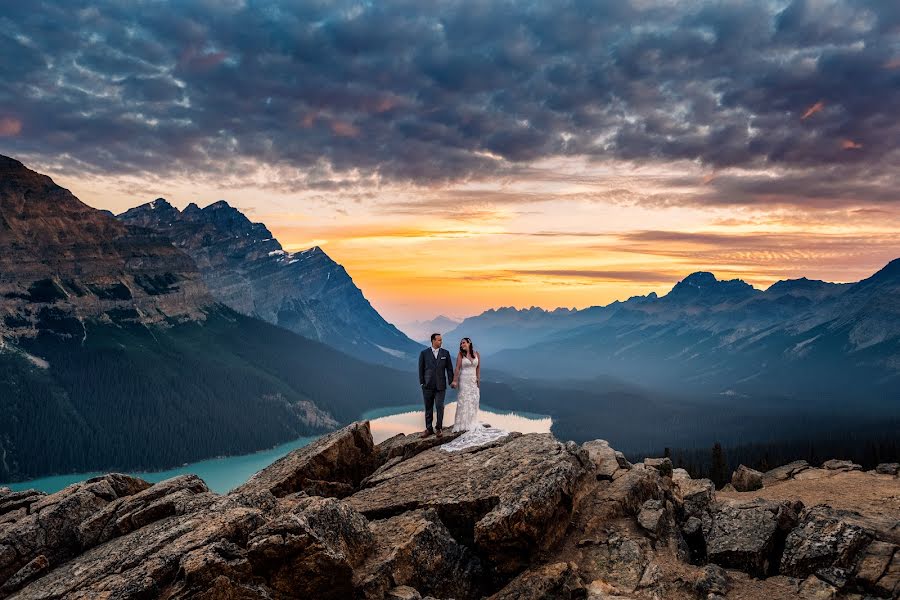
x=459 y=155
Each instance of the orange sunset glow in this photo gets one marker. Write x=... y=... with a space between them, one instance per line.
x=461 y=156
x=567 y=234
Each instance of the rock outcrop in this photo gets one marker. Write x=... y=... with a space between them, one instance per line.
x=62 y=262
x=246 y=269
x=525 y=518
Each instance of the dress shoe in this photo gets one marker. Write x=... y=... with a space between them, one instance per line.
x=426 y=433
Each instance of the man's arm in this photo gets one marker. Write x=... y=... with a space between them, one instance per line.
x=449 y=370
x=421 y=368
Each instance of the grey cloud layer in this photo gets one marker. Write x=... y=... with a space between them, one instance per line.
x=430 y=92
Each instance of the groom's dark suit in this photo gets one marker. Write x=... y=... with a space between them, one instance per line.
x=435 y=374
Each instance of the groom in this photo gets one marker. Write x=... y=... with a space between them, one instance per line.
x=434 y=364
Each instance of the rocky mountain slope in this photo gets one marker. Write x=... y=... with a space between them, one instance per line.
x=525 y=518
x=112 y=346
x=306 y=292
x=62 y=262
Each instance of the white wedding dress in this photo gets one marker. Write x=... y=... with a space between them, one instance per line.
x=466 y=420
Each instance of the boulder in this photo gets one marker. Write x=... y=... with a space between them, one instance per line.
x=415 y=549
x=841 y=465
x=403 y=592
x=311 y=550
x=713 y=580
x=746 y=535
x=49 y=526
x=556 y=581
x=606 y=460
x=620 y=562
x=814 y=588
x=343 y=458
x=653 y=517
x=888 y=469
x=824 y=538
x=694 y=495
x=626 y=495
x=507 y=500
x=784 y=472
x=405 y=446
x=663 y=465
x=745 y=479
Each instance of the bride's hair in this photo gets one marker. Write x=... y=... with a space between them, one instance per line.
x=471 y=348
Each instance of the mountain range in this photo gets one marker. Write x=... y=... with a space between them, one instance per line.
x=246 y=268
x=422 y=330
x=116 y=353
x=798 y=337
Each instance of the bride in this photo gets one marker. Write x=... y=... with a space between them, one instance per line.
x=467 y=378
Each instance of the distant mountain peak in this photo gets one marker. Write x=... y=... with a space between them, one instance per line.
x=700 y=279
x=704 y=285
x=220 y=205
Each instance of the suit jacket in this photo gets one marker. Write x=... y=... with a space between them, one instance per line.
x=435 y=373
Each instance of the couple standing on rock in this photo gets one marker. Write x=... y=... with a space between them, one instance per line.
x=435 y=373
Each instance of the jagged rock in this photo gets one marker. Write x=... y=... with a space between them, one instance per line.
x=875 y=564
x=841 y=465
x=345 y=456
x=606 y=460
x=35 y=567
x=621 y=561
x=300 y=548
x=712 y=580
x=10 y=501
x=626 y=494
x=247 y=269
x=651 y=577
x=404 y=446
x=822 y=539
x=663 y=465
x=888 y=582
x=653 y=517
x=403 y=592
x=784 y=472
x=694 y=495
x=508 y=499
x=50 y=527
x=623 y=462
x=679 y=473
x=745 y=479
x=311 y=551
x=557 y=581
x=888 y=469
x=415 y=549
x=123 y=515
x=746 y=535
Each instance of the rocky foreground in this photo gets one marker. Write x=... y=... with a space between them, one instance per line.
x=528 y=517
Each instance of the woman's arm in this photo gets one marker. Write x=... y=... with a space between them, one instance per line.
x=458 y=367
x=478 y=369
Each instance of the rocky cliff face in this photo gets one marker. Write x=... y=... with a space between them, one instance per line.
x=527 y=517
x=62 y=262
x=247 y=269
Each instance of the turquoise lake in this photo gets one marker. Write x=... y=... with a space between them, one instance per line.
x=224 y=473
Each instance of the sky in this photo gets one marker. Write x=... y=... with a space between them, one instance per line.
x=460 y=155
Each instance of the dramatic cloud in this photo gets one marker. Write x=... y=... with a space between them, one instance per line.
x=431 y=92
